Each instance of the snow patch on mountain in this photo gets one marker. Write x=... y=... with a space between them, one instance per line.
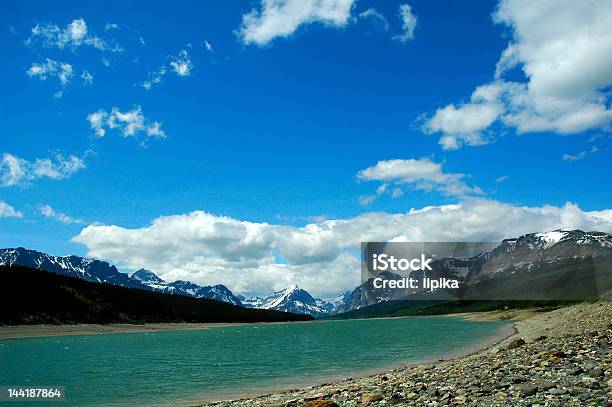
x=292 y=299
x=551 y=238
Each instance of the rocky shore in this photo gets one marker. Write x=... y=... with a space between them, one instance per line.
x=557 y=358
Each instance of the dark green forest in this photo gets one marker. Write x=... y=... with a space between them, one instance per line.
x=29 y=296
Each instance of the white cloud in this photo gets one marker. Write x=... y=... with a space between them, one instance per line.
x=181 y=64
x=130 y=123
x=397 y=193
x=502 y=178
x=15 y=170
x=97 y=121
x=595 y=137
x=376 y=17
x=208 y=46
x=73 y=36
x=580 y=155
x=7 y=211
x=381 y=189
x=322 y=257
x=365 y=200
x=49 y=212
x=282 y=18
x=465 y=124
x=61 y=70
x=409 y=23
x=110 y=26
x=87 y=78
x=565 y=52
x=154 y=78
x=155 y=130
x=422 y=174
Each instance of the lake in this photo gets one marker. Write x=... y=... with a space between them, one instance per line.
x=178 y=367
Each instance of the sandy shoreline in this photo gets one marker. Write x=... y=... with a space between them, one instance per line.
x=38 y=331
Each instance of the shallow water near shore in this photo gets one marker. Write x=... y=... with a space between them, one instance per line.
x=182 y=367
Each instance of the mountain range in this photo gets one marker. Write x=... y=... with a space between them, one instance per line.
x=524 y=265
x=556 y=265
x=296 y=300
x=292 y=299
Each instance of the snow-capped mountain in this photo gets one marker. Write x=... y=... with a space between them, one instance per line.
x=365 y=295
x=181 y=287
x=526 y=251
x=513 y=260
x=292 y=299
x=73 y=266
x=146 y=277
x=151 y=281
x=102 y=272
x=219 y=292
x=333 y=305
x=588 y=242
x=251 y=302
x=560 y=263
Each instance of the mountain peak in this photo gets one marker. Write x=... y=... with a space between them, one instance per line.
x=291 y=299
x=146 y=276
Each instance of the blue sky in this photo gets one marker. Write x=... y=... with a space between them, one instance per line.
x=276 y=122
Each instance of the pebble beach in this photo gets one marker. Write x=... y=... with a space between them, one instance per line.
x=557 y=358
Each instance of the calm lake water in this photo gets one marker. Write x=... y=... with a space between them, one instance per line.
x=164 y=368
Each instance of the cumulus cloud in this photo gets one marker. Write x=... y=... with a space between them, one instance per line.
x=282 y=18
x=564 y=50
x=130 y=123
x=409 y=23
x=15 y=170
x=322 y=257
x=465 y=124
x=48 y=212
x=422 y=174
x=72 y=36
x=7 y=211
x=580 y=155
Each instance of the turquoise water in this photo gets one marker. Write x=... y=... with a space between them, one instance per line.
x=181 y=366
